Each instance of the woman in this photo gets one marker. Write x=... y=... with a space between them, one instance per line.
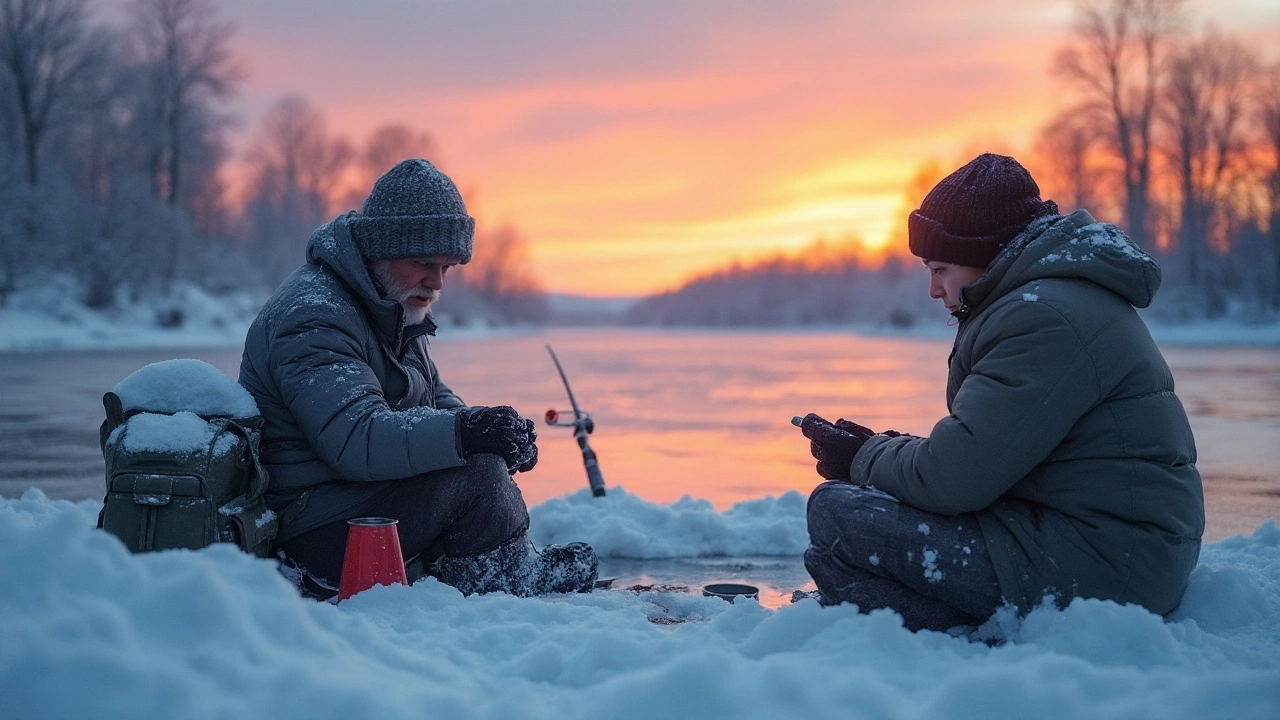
x=1066 y=467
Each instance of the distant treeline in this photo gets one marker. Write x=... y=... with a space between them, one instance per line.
x=1171 y=134
x=113 y=142
x=820 y=286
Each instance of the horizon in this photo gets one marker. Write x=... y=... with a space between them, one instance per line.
x=635 y=146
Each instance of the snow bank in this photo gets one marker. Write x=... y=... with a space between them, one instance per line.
x=91 y=631
x=50 y=317
x=622 y=525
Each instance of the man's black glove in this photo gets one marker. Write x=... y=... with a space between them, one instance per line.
x=530 y=457
x=501 y=431
x=834 y=445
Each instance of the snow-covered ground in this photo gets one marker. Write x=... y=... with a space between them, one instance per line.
x=88 y=630
x=49 y=317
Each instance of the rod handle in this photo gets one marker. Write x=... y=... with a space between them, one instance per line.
x=594 y=476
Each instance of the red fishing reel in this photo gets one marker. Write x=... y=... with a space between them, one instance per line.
x=553 y=419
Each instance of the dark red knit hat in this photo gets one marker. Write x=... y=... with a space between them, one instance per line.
x=973 y=212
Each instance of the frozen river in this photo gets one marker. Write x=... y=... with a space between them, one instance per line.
x=677 y=412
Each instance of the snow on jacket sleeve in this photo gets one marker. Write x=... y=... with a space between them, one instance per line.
x=338 y=403
x=1030 y=380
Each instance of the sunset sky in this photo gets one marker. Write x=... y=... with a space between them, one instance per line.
x=636 y=142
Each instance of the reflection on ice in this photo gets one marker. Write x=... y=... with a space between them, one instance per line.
x=705 y=414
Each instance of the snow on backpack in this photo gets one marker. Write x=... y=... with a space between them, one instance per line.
x=181 y=447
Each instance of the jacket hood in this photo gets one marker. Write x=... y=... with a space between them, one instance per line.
x=1072 y=247
x=331 y=246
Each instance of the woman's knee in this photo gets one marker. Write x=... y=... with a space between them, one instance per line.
x=839 y=509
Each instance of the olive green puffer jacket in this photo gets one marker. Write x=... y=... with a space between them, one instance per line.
x=1065 y=437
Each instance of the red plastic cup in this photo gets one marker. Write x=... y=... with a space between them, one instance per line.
x=373 y=556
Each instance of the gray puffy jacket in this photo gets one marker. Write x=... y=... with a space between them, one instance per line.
x=348 y=392
x=1065 y=437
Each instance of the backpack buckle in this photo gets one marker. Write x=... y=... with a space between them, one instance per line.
x=152 y=489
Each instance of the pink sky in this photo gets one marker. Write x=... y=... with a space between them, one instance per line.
x=636 y=142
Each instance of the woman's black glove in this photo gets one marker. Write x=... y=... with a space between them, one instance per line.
x=834 y=445
x=498 y=430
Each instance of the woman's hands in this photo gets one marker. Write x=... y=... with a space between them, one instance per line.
x=834 y=444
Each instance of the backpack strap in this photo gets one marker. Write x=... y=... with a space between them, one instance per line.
x=248 y=429
x=257 y=526
x=115 y=417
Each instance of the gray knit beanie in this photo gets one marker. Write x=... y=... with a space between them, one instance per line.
x=971 y=214
x=414 y=210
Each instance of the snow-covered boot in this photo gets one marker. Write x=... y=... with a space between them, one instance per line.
x=515 y=567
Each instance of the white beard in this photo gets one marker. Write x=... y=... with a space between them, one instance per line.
x=412 y=315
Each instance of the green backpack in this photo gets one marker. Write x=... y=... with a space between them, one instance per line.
x=181 y=448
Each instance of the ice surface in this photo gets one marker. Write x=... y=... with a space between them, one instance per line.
x=90 y=630
x=172 y=386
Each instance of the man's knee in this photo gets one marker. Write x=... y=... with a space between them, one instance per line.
x=490 y=485
x=486 y=468
x=483 y=486
x=483 y=476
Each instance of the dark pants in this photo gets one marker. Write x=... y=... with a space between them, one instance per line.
x=459 y=512
x=867 y=548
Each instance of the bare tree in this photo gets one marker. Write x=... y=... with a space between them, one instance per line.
x=1066 y=151
x=1206 y=114
x=502 y=276
x=184 y=65
x=1117 y=64
x=19 y=219
x=1269 y=122
x=385 y=146
x=926 y=175
x=46 y=48
x=390 y=144
x=298 y=170
x=183 y=50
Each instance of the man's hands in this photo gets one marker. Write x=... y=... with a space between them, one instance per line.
x=501 y=431
x=834 y=445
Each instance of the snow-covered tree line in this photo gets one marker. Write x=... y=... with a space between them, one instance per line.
x=114 y=145
x=824 y=284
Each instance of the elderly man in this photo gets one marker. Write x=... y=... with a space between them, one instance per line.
x=358 y=422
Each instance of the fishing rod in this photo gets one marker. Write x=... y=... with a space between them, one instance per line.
x=582 y=427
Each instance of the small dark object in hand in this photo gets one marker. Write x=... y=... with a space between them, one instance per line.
x=834 y=445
